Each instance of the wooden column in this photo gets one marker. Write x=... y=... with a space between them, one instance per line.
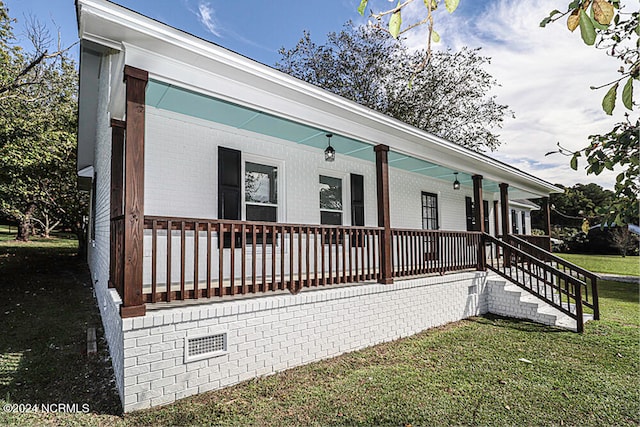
x=382 y=181
x=479 y=217
x=546 y=218
x=116 y=200
x=504 y=207
x=132 y=303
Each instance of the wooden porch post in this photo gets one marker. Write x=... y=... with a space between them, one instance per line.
x=504 y=207
x=504 y=212
x=479 y=214
x=116 y=199
x=132 y=303
x=546 y=219
x=382 y=181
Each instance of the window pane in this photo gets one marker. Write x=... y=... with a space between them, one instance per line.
x=330 y=218
x=261 y=183
x=261 y=213
x=330 y=193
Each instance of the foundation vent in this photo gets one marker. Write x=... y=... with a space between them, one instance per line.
x=203 y=347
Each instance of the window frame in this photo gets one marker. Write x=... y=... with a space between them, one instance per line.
x=345 y=194
x=280 y=193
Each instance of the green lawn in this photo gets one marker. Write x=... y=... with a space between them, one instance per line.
x=467 y=373
x=611 y=264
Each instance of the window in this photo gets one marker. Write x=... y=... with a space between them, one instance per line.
x=524 y=229
x=514 y=221
x=471 y=218
x=429 y=211
x=261 y=192
x=330 y=200
x=430 y=222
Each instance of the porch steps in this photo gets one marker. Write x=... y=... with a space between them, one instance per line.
x=508 y=299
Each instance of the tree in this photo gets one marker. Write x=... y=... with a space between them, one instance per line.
x=607 y=25
x=447 y=97
x=624 y=240
x=575 y=205
x=37 y=132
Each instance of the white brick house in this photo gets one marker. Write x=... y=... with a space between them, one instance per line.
x=225 y=246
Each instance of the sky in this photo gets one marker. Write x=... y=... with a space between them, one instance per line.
x=544 y=74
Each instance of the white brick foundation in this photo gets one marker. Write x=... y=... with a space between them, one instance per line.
x=273 y=333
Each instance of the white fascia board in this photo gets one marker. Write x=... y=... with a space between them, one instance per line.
x=174 y=56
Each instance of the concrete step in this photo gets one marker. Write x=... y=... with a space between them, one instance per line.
x=509 y=299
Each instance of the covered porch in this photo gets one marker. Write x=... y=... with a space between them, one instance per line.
x=163 y=258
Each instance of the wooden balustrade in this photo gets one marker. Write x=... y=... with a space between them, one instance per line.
x=588 y=279
x=189 y=258
x=543 y=242
x=416 y=252
x=558 y=288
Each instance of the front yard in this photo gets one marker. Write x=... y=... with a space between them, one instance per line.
x=481 y=371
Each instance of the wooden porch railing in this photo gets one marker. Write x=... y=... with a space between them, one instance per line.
x=542 y=242
x=589 y=279
x=557 y=288
x=433 y=251
x=207 y=258
x=187 y=258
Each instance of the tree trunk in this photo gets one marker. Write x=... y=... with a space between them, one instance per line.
x=24 y=225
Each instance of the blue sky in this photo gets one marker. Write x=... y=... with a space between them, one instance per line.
x=544 y=74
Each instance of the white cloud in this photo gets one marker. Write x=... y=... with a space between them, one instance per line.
x=206 y=16
x=545 y=75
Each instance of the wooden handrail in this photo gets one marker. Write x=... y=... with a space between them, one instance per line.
x=551 y=256
x=593 y=278
x=573 y=292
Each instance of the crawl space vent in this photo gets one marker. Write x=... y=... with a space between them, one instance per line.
x=205 y=346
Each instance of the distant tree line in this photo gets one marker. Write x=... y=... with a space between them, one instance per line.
x=38 y=125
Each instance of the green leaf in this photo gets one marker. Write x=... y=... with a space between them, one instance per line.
x=587 y=31
x=609 y=100
x=435 y=37
x=395 y=22
x=362 y=7
x=451 y=5
x=574 y=163
x=627 y=94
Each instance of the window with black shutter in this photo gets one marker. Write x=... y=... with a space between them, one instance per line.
x=514 y=221
x=471 y=219
x=524 y=229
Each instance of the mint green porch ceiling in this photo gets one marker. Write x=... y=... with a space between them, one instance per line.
x=183 y=101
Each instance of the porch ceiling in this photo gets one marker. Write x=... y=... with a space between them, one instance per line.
x=180 y=100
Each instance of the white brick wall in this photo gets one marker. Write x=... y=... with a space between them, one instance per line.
x=277 y=332
x=98 y=254
x=181 y=175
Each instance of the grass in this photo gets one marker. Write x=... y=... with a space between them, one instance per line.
x=466 y=373
x=611 y=264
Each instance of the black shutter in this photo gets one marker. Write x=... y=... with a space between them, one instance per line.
x=229 y=182
x=357 y=205
x=357 y=200
x=471 y=220
x=485 y=203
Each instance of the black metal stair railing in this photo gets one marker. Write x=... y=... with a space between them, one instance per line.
x=590 y=280
x=557 y=288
